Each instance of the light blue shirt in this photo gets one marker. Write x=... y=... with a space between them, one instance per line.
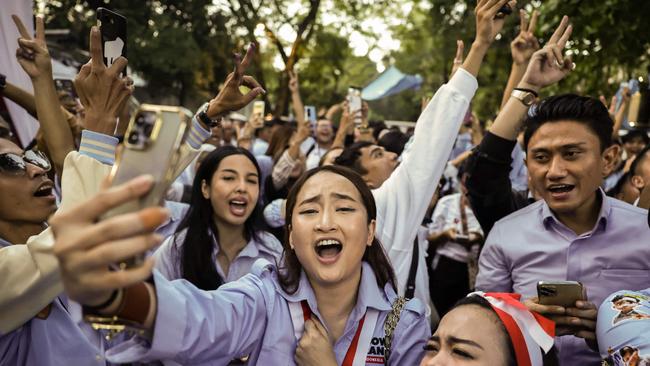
x=531 y=245
x=251 y=316
x=168 y=259
x=51 y=338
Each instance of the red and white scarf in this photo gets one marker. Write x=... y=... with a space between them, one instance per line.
x=528 y=330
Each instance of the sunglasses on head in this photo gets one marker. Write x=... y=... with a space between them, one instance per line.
x=14 y=164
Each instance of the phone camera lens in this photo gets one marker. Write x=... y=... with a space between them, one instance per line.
x=134 y=137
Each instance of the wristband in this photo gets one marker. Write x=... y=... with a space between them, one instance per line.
x=97 y=308
x=529 y=91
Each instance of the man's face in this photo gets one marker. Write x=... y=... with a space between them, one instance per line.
x=379 y=163
x=25 y=198
x=566 y=165
x=634 y=146
x=625 y=305
x=324 y=132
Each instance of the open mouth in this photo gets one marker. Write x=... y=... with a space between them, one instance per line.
x=44 y=191
x=238 y=207
x=328 y=248
x=560 y=191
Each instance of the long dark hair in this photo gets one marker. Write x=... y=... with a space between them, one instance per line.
x=289 y=276
x=196 y=254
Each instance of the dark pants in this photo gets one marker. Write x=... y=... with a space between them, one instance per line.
x=448 y=283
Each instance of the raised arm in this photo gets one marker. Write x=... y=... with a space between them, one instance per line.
x=488 y=184
x=522 y=49
x=34 y=58
x=296 y=100
x=21 y=97
x=205 y=326
x=400 y=207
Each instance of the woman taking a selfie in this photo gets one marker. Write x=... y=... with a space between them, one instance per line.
x=332 y=303
x=221 y=235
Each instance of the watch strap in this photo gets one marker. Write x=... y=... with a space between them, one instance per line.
x=531 y=91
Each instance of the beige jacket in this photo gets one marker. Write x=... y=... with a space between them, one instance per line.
x=29 y=274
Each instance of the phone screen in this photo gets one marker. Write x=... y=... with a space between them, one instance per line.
x=355 y=103
x=113 y=31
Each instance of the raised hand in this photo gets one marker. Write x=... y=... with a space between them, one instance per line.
x=86 y=247
x=32 y=53
x=525 y=44
x=230 y=97
x=488 y=23
x=101 y=90
x=548 y=65
x=294 y=85
x=458 y=61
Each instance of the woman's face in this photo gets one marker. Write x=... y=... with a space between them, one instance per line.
x=233 y=190
x=467 y=335
x=329 y=229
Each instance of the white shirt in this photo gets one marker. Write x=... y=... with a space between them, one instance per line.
x=447 y=216
x=404 y=197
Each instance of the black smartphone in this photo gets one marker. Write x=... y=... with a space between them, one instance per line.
x=112 y=27
x=505 y=10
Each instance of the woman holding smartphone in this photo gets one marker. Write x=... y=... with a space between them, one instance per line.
x=331 y=299
x=221 y=235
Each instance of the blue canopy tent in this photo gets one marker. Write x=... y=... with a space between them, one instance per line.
x=390 y=82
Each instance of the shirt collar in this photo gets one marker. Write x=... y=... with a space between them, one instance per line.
x=369 y=296
x=605 y=209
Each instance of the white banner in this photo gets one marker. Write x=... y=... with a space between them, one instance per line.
x=25 y=125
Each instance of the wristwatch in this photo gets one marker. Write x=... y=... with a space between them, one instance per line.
x=526 y=96
x=202 y=116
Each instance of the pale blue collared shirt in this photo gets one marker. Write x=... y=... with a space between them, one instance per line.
x=50 y=338
x=251 y=316
x=532 y=245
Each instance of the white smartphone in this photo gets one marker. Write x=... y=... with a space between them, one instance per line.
x=310 y=115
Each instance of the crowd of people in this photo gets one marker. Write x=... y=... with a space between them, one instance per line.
x=285 y=242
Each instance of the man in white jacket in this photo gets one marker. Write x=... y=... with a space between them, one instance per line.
x=402 y=195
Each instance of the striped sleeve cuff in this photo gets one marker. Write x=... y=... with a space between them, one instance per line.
x=98 y=146
x=197 y=134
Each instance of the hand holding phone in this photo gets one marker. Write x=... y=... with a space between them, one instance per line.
x=113 y=29
x=310 y=115
x=355 y=104
x=560 y=293
x=151 y=147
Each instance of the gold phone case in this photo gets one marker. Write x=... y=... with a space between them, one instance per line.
x=561 y=293
x=151 y=146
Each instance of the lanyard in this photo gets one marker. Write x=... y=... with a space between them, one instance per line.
x=355 y=356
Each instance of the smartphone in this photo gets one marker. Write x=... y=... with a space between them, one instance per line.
x=258 y=108
x=505 y=10
x=310 y=115
x=561 y=293
x=355 y=103
x=112 y=27
x=65 y=85
x=152 y=146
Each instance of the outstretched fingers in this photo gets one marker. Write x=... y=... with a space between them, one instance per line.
x=559 y=31
x=97 y=58
x=40 y=29
x=21 y=27
x=533 y=22
x=565 y=37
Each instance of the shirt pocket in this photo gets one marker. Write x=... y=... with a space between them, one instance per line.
x=615 y=279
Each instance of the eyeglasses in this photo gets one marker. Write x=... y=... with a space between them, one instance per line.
x=14 y=164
